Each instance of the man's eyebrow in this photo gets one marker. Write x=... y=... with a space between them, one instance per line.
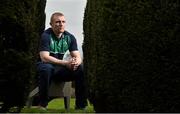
x=61 y=21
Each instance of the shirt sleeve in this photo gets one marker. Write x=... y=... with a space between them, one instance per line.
x=44 y=42
x=73 y=44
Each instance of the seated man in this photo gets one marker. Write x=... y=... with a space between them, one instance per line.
x=55 y=41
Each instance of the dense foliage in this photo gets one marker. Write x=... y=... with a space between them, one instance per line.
x=21 y=23
x=132 y=55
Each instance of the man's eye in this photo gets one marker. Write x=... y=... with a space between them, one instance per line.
x=60 y=21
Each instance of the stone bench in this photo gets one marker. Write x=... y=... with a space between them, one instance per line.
x=56 y=90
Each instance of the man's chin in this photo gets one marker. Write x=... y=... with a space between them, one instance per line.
x=61 y=31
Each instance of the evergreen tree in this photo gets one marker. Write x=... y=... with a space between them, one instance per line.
x=21 y=23
x=132 y=55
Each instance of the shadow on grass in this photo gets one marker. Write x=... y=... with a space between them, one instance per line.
x=57 y=106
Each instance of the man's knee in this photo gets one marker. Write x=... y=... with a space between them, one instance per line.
x=79 y=72
x=80 y=68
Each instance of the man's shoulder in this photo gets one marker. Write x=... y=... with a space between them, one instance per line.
x=47 y=31
x=46 y=34
x=68 y=33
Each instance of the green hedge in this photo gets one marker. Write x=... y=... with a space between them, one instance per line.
x=21 y=23
x=132 y=55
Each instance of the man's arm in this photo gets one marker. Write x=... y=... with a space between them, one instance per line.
x=45 y=57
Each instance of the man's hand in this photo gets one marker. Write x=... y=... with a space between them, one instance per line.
x=75 y=61
x=73 y=64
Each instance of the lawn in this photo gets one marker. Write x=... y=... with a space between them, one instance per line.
x=57 y=106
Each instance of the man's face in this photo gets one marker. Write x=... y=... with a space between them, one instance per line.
x=58 y=24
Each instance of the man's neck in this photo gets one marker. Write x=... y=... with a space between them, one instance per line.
x=59 y=35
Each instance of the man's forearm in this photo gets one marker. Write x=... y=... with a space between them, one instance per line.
x=53 y=60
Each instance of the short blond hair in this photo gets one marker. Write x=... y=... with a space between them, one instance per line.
x=55 y=14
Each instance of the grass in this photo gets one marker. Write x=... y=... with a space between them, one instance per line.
x=57 y=106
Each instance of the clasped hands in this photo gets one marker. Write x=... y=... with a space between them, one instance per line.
x=73 y=64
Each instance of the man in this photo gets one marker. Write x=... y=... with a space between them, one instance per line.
x=55 y=41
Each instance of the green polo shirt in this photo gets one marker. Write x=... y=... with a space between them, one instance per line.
x=59 y=45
